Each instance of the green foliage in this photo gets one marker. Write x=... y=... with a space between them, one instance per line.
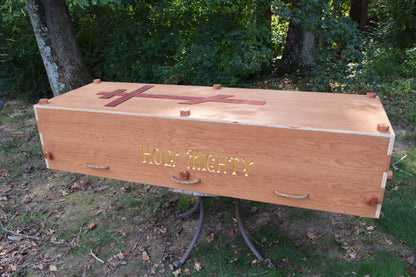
x=394 y=21
x=338 y=52
x=205 y=42
x=390 y=70
x=185 y=42
x=280 y=24
x=22 y=74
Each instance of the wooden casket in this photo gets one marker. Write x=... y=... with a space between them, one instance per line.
x=320 y=151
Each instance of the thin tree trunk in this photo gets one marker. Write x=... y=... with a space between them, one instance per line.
x=297 y=54
x=359 y=13
x=57 y=44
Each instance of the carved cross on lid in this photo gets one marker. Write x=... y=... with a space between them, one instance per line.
x=189 y=100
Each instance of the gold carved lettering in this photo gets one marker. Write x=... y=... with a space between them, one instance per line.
x=246 y=166
x=233 y=160
x=158 y=156
x=219 y=164
x=146 y=154
x=191 y=159
x=197 y=161
x=210 y=168
x=171 y=161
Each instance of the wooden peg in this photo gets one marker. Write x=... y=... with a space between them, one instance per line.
x=48 y=155
x=185 y=112
x=371 y=94
x=43 y=101
x=389 y=175
x=216 y=86
x=97 y=81
x=383 y=127
x=184 y=174
x=371 y=200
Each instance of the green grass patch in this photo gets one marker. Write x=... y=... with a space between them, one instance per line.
x=288 y=259
x=399 y=206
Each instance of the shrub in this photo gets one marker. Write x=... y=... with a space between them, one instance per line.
x=184 y=42
x=22 y=74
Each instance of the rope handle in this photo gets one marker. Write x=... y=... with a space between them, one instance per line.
x=291 y=196
x=97 y=166
x=185 y=182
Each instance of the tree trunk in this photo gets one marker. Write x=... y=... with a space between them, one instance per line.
x=359 y=13
x=57 y=45
x=297 y=54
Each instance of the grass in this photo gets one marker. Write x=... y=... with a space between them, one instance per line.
x=290 y=260
x=399 y=216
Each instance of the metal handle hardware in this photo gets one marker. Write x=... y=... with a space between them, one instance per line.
x=185 y=182
x=97 y=166
x=291 y=196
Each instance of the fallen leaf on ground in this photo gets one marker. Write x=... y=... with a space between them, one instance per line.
x=145 y=257
x=91 y=226
x=350 y=253
x=310 y=235
x=411 y=259
x=284 y=262
x=120 y=256
x=75 y=187
x=178 y=231
x=64 y=192
x=53 y=268
x=177 y=272
x=158 y=230
x=211 y=237
x=197 y=266
x=389 y=242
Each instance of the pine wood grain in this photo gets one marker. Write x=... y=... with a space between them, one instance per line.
x=337 y=169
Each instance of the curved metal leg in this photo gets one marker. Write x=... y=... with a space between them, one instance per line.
x=198 y=231
x=252 y=210
x=244 y=233
x=191 y=211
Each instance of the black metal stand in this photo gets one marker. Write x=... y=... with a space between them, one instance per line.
x=244 y=233
x=200 y=204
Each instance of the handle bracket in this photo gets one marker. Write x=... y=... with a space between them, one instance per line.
x=97 y=166
x=290 y=196
x=185 y=182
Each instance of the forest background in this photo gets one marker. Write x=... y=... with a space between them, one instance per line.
x=235 y=43
x=339 y=45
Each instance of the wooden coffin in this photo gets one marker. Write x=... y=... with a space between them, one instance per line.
x=319 y=151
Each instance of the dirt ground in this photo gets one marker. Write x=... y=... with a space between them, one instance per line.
x=48 y=218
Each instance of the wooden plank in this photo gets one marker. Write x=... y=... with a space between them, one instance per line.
x=338 y=170
x=324 y=111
